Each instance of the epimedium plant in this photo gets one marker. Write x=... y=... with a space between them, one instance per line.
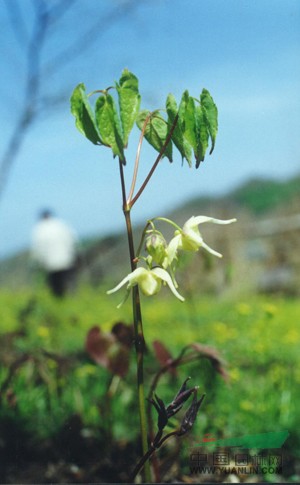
x=188 y=128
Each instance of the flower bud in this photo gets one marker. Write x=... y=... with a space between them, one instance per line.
x=191 y=415
x=162 y=418
x=183 y=395
x=156 y=247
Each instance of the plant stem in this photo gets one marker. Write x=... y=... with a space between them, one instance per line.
x=136 y=305
x=160 y=155
x=137 y=159
x=144 y=460
x=138 y=330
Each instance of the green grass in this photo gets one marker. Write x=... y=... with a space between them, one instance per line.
x=258 y=337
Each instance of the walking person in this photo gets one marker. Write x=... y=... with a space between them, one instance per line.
x=54 y=250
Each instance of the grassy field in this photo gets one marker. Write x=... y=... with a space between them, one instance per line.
x=258 y=337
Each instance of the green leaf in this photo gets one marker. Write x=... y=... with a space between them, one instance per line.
x=201 y=135
x=182 y=109
x=210 y=111
x=109 y=124
x=129 y=102
x=189 y=123
x=156 y=131
x=85 y=119
x=177 y=136
x=194 y=126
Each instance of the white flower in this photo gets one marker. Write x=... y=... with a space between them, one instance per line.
x=190 y=239
x=149 y=281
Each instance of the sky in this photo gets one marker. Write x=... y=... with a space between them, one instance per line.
x=245 y=52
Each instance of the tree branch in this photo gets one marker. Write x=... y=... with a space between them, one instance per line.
x=46 y=14
x=80 y=46
x=17 y=22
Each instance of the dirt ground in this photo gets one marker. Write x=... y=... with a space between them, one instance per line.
x=75 y=456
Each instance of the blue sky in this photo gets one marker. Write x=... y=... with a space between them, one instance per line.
x=245 y=52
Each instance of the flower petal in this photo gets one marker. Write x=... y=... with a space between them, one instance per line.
x=191 y=238
x=172 y=248
x=124 y=299
x=149 y=283
x=122 y=283
x=210 y=250
x=200 y=219
x=164 y=275
x=131 y=278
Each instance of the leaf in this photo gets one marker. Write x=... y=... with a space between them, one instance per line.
x=123 y=333
x=182 y=109
x=163 y=356
x=177 y=137
x=211 y=115
x=156 y=131
x=201 y=135
x=109 y=124
x=195 y=130
x=97 y=345
x=213 y=355
x=118 y=359
x=198 y=122
x=190 y=125
x=85 y=119
x=108 y=351
x=129 y=102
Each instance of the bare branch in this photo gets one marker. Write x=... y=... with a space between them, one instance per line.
x=17 y=22
x=29 y=111
x=34 y=52
x=35 y=101
x=58 y=11
x=13 y=147
x=86 y=39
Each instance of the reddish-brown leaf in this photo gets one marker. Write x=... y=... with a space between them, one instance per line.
x=123 y=333
x=163 y=356
x=97 y=345
x=213 y=355
x=119 y=359
x=109 y=349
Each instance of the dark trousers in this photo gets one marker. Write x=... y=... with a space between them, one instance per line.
x=60 y=281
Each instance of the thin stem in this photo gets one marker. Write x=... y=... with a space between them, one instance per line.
x=142 y=463
x=142 y=239
x=122 y=184
x=161 y=153
x=149 y=453
x=164 y=219
x=139 y=344
x=138 y=329
x=137 y=159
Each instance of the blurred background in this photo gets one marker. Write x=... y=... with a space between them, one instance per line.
x=246 y=53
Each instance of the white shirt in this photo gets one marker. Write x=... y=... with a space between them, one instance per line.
x=53 y=245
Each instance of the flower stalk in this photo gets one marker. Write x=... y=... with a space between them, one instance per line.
x=154 y=166
x=138 y=329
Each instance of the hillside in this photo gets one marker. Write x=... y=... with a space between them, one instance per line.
x=261 y=196
x=256 y=198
